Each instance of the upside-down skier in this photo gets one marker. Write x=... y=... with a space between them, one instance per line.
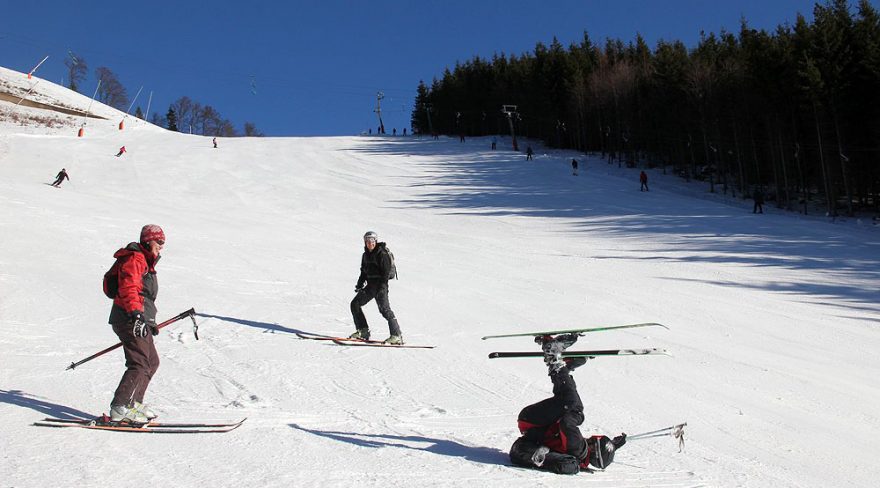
x=551 y=439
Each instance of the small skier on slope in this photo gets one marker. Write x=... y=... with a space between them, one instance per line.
x=60 y=177
x=121 y=151
x=551 y=439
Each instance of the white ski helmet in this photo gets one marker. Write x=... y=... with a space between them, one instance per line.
x=371 y=235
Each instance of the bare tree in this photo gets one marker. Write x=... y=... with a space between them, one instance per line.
x=183 y=107
x=111 y=91
x=250 y=130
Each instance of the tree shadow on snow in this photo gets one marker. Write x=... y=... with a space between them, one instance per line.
x=443 y=447
x=267 y=327
x=22 y=399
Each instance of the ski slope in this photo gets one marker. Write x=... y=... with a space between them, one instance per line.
x=773 y=318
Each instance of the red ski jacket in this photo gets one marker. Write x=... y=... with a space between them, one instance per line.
x=138 y=286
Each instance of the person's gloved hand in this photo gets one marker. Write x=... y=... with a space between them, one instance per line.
x=619 y=441
x=138 y=326
x=154 y=329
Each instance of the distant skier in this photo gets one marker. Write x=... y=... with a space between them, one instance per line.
x=133 y=317
x=643 y=179
x=574 y=166
x=529 y=154
x=551 y=439
x=215 y=142
x=494 y=143
x=759 y=201
x=394 y=131
x=61 y=176
x=461 y=137
x=377 y=267
x=404 y=132
x=121 y=151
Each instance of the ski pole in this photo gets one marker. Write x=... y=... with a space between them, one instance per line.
x=658 y=432
x=676 y=431
x=189 y=313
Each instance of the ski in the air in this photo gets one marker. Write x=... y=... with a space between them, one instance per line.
x=582 y=354
x=101 y=423
x=350 y=342
x=320 y=337
x=577 y=331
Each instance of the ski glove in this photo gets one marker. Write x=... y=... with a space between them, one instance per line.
x=619 y=441
x=358 y=288
x=151 y=323
x=139 y=327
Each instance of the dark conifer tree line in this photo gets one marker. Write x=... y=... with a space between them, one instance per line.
x=794 y=112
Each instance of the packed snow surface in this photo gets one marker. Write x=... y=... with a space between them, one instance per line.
x=773 y=319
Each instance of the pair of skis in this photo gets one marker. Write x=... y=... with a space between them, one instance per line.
x=346 y=341
x=153 y=427
x=580 y=332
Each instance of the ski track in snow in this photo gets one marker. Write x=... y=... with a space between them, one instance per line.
x=773 y=318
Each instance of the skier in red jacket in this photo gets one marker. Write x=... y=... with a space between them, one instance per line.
x=121 y=151
x=551 y=439
x=133 y=317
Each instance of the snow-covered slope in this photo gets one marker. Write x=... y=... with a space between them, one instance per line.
x=773 y=319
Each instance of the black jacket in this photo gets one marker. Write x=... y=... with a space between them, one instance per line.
x=375 y=266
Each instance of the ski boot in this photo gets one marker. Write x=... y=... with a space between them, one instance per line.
x=396 y=340
x=124 y=413
x=553 y=348
x=147 y=411
x=361 y=335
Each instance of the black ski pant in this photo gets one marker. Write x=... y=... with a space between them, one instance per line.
x=141 y=363
x=379 y=291
x=564 y=406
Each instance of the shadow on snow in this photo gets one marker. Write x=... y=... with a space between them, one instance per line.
x=442 y=447
x=22 y=399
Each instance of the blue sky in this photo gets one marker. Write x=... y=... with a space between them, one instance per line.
x=313 y=68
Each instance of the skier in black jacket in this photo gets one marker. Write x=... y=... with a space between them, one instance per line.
x=377 y=267
x=60 y=177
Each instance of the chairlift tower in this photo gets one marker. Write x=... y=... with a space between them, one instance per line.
x=510 y=111
x=379 y=97
x=430 y=124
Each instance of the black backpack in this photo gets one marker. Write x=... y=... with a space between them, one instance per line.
x=392 y=275
x=111 y=281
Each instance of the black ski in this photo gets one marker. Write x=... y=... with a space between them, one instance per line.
x=581 y=354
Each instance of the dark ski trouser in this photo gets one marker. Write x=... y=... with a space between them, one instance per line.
x=644 y=187
x=379 y=291
x=57 y=182
x=565 y=406
x=141 y=363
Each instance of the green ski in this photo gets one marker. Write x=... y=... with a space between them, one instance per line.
x=577 y=331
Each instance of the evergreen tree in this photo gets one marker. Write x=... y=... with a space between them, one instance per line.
x=76 y=70
x=171 y=119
